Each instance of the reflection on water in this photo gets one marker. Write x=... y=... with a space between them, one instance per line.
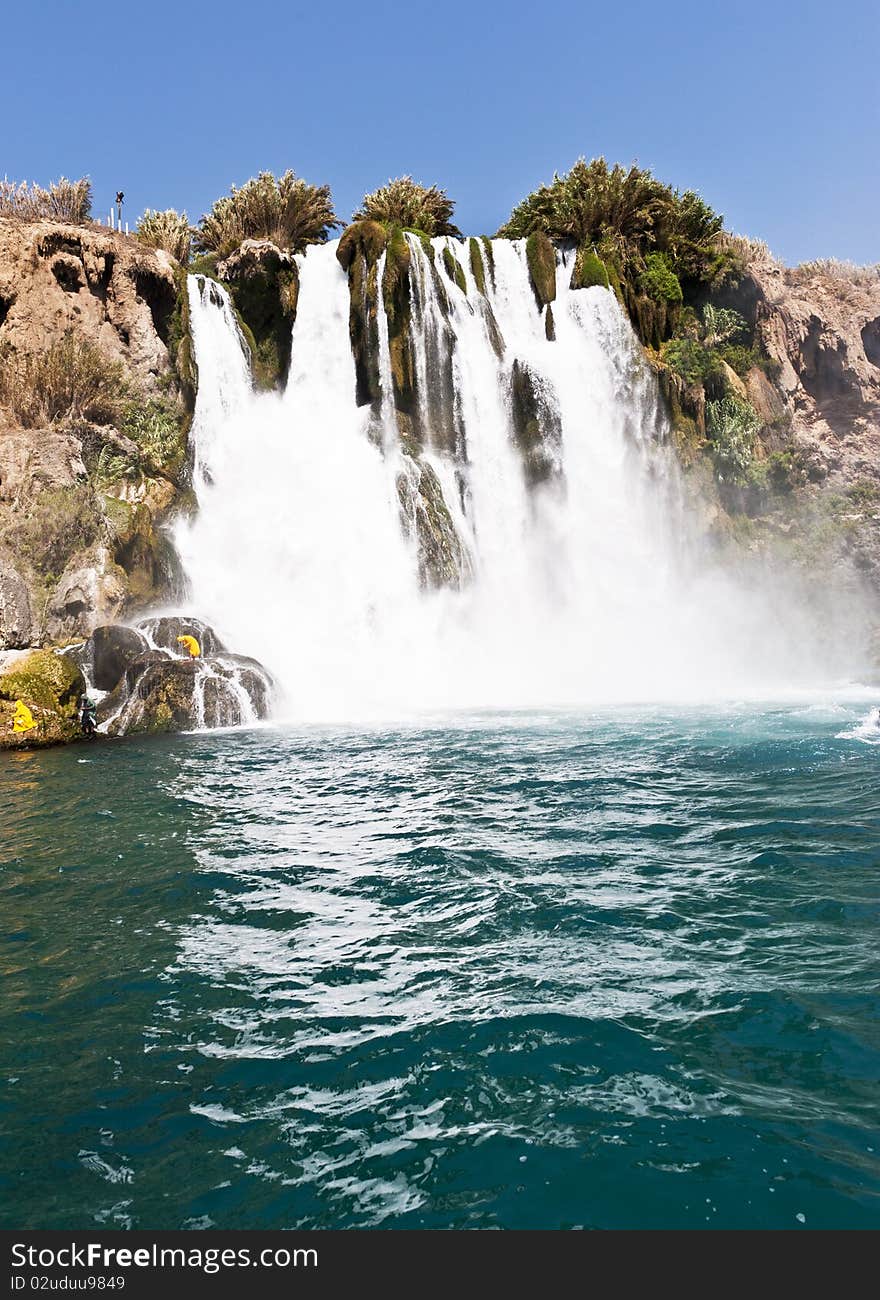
x=520 y=971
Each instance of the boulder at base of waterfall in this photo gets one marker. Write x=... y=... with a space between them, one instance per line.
x=158 y=694
x=108 y=652
x=163 y=632
x=50 y=685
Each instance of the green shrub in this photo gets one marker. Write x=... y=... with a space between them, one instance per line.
x=169 y=230
x=285 y=209
x=865 y=493
x=732 y=428
x=659 y=281
x=721 y=325
x=783 y=470
x=740 y=358
x=691 y=360
x=71 y=379
x=156 y=428
x=404 y=202
x=628 y=208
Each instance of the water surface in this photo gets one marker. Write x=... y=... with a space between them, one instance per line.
x=611 y=970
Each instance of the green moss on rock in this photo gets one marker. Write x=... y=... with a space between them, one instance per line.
x=478 y=271
x=395 y=287
x=541 y=259
x=367 y=238
x=453 y=268
x=490 y=257
x=589 y=270
x=442 y=559
x=50 y=684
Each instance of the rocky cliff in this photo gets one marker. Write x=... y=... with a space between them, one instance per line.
x=93 y=420
x=815 y=485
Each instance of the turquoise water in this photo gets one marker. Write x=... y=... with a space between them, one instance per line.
x=612 y=970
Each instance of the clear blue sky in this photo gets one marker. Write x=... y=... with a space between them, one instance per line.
x=771 y=110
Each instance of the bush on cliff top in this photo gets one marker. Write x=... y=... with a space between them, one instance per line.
x=627 y=209
x=404 y=202
x=169 y=230
x=64 y=200
x=71 y=379
x=286 y=210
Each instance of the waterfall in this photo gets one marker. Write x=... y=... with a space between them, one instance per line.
x=538 y=466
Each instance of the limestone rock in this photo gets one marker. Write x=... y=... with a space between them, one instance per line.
x=442 y=558
x=32 y=460
x=109 y=289
x=159 y=693
x=536 y=422
x=17 y=623
x=109 y=651
x=85 y=596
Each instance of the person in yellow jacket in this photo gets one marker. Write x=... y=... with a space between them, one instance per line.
x=191 y=644
x=22 y=718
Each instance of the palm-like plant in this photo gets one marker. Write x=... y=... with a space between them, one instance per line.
x=404 y=202
x=169 y=230
x=624 y=212
x=286 y=210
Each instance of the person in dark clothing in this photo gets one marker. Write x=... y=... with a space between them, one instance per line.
x=88 y=716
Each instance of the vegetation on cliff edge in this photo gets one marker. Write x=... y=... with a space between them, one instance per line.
x=169 y=230
x=406 y=203
x=64 y=200
x=286 y=210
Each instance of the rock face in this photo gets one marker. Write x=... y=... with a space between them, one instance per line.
x=536 y=423
x=17 y=623
x=820 y=324
x=109 y=289
x=81 y=502
x=86 y=595
x=162 y=694
x=34 y=460
x=442 y=558
x=820 y=403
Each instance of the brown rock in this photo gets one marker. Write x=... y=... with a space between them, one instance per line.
x=110 y=289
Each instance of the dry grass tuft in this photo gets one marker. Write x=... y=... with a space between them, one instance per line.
x=70 y=380
x=64 y=200
x=169 y=230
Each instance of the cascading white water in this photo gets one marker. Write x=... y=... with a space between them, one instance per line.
x=581 y=589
